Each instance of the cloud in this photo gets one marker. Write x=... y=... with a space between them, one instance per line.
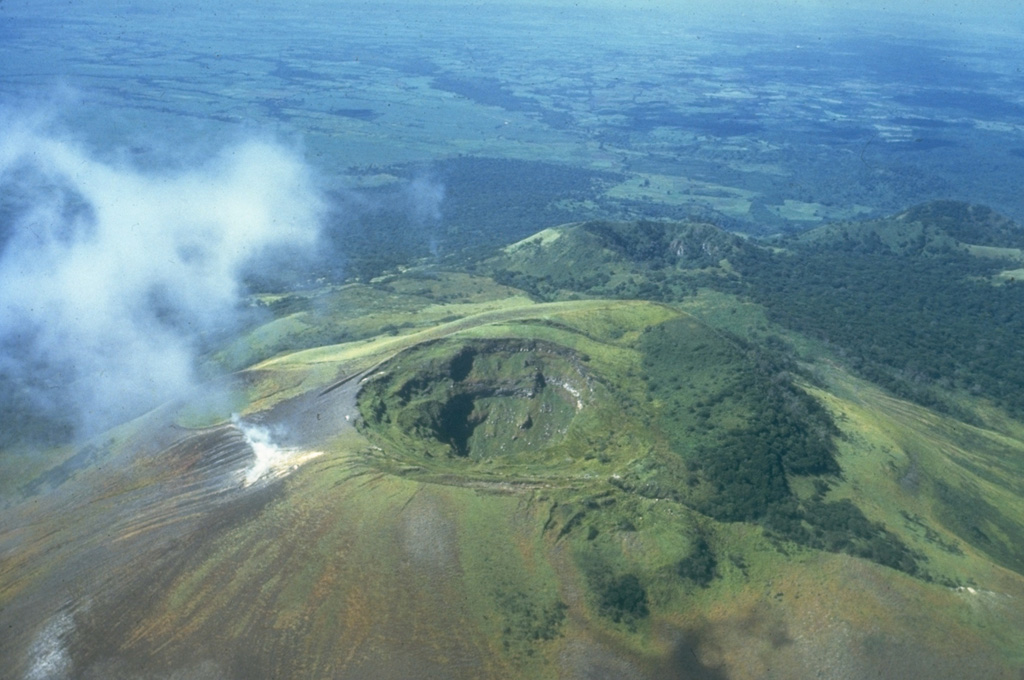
x=111 y=275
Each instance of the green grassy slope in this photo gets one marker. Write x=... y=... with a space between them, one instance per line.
x=932 y=227
x=474 y=484
x=647 y=260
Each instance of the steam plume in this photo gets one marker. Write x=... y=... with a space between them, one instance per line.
x=110 y=275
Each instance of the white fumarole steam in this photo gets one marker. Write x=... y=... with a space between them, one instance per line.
x=269 y=461
x=49 y=654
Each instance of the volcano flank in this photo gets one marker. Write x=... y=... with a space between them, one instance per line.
x=680 y=457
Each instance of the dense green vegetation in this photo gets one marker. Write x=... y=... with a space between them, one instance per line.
x=623 y=598
x=701 y=565
x=889 y=295
x=915 y=303
x=734 y=414
x=917 y=323
x=967 y=223
x=904 y=299
x=619 y=595
x=487 y=203
x=729 y=405
x=631 y=260
x=658 y=244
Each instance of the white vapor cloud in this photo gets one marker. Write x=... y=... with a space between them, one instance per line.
x=425 y=197
x=110 y=275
